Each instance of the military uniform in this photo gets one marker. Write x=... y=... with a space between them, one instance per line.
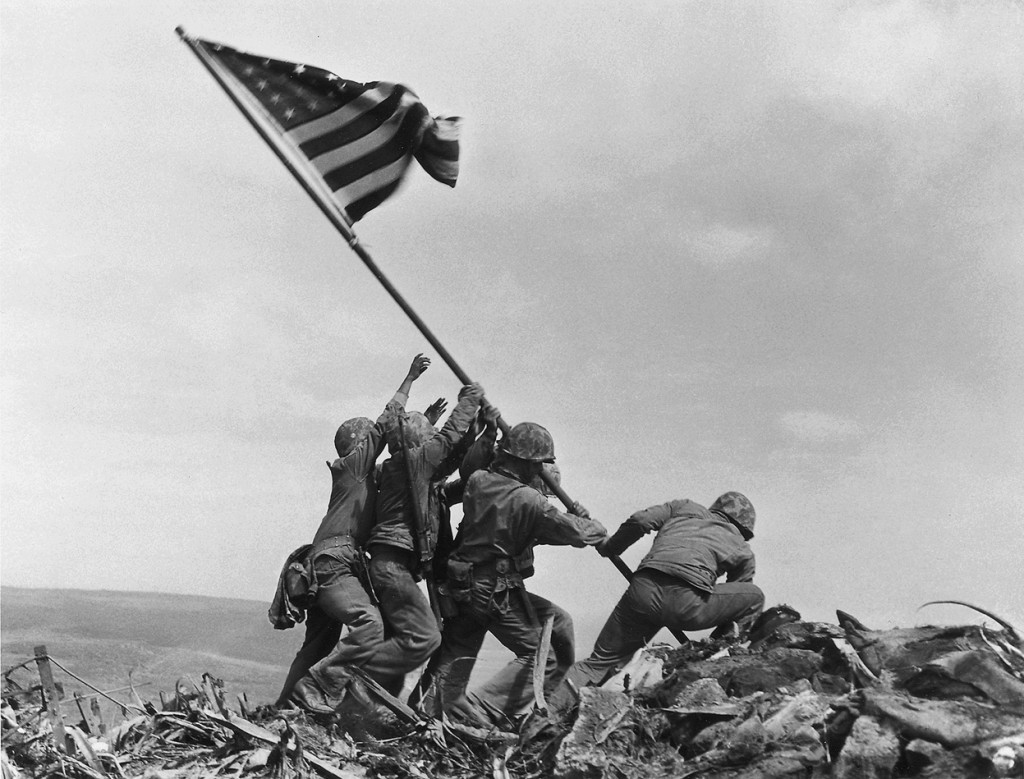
x=337 y=562
x=395 y=545
x=675 y=584
x=502 y=521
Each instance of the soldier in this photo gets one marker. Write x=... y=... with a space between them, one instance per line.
x=405 y=534
x=318 y=676
x=503 y=519
x=675 y=584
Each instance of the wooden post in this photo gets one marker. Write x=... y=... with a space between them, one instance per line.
x=91 y=723
x=97 y=714
x=52 y=698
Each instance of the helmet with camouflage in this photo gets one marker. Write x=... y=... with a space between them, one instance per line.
x=529 y=441
x=735 y=507
x=417 y=428
x=538 y=483
x=350 y=433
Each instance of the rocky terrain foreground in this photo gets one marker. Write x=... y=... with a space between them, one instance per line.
x=802 y=699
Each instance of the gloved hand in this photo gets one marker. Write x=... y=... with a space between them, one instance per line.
x=579 y=510
x=490 y=414
x=474 y=391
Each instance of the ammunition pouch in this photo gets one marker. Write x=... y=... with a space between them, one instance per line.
x=504 y=571
x=300 y=582
x=460 y=581
x=446 y=603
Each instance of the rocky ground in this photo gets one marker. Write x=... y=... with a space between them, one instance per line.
x=803 y=699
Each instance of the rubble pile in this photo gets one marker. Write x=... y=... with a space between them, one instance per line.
x=816 y=699
x=802 y=699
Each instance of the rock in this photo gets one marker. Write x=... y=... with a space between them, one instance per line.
x=1007 y=761
x=950 y=723
x=815 y=636
x=870 y=752
x=777 y=668
x=829 y=684
x=796 y=716
x=921 y=755
x=643 y=670
x=581 y=753
x=697 y=707
x=741 y=675
x=905 y=651
x=746 y=742
x=975 y=673
x=699 y=695
x=712 y=737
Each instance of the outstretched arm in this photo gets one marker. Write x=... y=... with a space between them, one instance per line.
x=638 y=525
x=561 y=529
x=419 y=364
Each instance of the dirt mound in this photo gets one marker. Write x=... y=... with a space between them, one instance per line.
x=803 y=699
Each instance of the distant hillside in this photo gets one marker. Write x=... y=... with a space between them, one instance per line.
x=102 y=635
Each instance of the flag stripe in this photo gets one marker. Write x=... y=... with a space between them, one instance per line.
x=358 y=209
x=345 y=113
x=366 y=122
x=339 y=157
x=397 y=147
x=356 y=139
x=388 y=176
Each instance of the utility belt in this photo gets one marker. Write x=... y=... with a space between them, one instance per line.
x=334 y=542
x=463 y=577
x=300 y=576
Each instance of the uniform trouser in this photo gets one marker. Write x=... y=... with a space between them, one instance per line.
x=655 y=600
x=322 y=634
x=504 y=614
x=342 y=600
x=412 y=634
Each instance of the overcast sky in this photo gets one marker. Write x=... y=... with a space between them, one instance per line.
x=768 y=247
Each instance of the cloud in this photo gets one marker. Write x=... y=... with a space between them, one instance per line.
x=722 y=244
x=819 y=427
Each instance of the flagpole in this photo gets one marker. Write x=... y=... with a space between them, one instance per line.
x=339 y=219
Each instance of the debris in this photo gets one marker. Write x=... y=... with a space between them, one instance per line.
x=808 y=699
x=770 y=621
x=600 y=712
x=950 y=723
x=1012 y=632
x=871 y=751
x=540 y=664
x=974 y=672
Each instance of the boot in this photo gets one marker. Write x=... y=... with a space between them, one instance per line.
x=310 y=696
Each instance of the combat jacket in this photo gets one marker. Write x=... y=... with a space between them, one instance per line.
x=353 y=482
x=692 y=543
x=504 y=518
x=395 y=524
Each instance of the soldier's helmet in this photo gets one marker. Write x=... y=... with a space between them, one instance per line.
x=529 y=441
x=538 y=483
x=418 y=431
x=350 y=433
x=735 y=507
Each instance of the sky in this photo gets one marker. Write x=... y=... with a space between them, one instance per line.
x=772 y=247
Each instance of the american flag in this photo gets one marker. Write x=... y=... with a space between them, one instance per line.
x=358 y=138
